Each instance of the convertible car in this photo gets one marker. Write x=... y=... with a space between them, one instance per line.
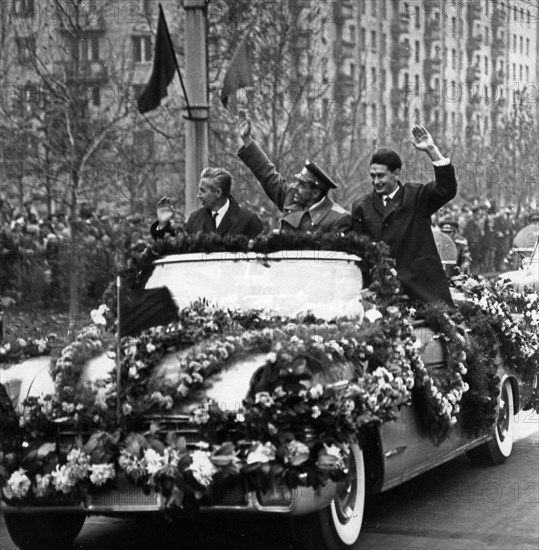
x=292 y=284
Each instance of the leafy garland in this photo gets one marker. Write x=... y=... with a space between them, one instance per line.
x=264 y=441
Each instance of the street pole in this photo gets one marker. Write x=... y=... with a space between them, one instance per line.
x=196 y=82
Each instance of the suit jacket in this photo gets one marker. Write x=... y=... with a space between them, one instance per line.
x=405 y=226
x=325 y=216
x=236 y=221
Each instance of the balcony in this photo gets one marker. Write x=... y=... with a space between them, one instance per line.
x=432 y=65
x=432 y=29
x=472 y=73
x=85 y=71
x=401 y=24
x=397 y=96
x=474 y=43
x=400 y=55
x=498 y=47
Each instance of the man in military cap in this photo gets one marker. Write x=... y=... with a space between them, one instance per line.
x=305 y=203
x=450 y=226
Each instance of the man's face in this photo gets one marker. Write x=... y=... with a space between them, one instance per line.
x=383 y=179
x=208 y=194
x=305 y=193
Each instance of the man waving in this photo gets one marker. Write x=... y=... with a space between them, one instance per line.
x=304 y=202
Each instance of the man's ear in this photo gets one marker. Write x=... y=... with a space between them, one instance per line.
x=397 y=172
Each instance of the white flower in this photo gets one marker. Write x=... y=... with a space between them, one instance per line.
x=296 y=448
x=101 y=473
x=271 y=357
x=127 y=409
x=153 y=461
x=265 y=398
x=373 y=315
x=150 y=348
x=19 y=484
x=98 y=315
x=316 y=391
x=42 y=484
x=21 y=342
x=133 y=372
x=131 y=464
x=202 y=467
x=315 y=411
x=61 y=479
x=262 y=453
x=78 y=464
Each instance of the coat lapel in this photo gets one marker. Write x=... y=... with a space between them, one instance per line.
x=395 y=203
x=228 y=218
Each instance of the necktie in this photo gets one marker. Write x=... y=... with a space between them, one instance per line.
x=386 y=200
x=214 y=220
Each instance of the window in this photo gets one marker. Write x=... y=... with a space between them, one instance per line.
x=384 y=10
x=417 y=17
x=514 y=71
x=416 y=89
x=352 y=34
x=520 y=72
x=96 y=96
x=527 y=46
x=527 y=74
x=454 y=25
x=373 y=75
x=362 y=38
x=406 y=85
x=26 y=48
x=142 y=49
x=90 y=47
x=383 y=78
x=453 y=119
x=383 y=44
x=417 y=50
x=417 y=118
x=362 y=6
x=374 y=114
x=453 y=58
x=514 y=42
x=521 y=44
x=23 y=8
x=383 y=116
x=373 y=41
x=486 y=64
x=487 y=37
x=353 y=71
x=515 y=13
x=373 y=7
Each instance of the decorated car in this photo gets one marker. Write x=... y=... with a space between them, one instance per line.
x=294 y=379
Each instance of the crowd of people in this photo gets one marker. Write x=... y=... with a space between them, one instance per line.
x=37 y=253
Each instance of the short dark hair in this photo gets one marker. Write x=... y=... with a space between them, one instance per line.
x=388 y=157
x=220 y=177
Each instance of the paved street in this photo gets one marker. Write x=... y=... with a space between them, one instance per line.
x=452 y=507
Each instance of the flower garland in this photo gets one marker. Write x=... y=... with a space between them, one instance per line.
x=21 y=348
x=294 y=426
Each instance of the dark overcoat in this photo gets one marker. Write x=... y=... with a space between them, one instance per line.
x=325 y=216
x=405 y=226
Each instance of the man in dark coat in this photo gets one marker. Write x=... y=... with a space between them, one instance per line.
x=450 y=226
x=305 y=203
x=399 y=214
x=220 y=212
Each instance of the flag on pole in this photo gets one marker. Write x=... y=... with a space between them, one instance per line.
x=239 y=73
x=164 y=66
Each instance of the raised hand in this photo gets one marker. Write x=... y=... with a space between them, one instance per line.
x=421 y=139
x=244 y=127
x=165 y=211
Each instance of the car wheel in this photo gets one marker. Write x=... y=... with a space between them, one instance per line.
x=44 y=531
x=499 y=448
x=336 y=527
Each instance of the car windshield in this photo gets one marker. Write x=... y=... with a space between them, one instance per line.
x=327 y=284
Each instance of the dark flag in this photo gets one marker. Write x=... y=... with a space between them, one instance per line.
x=143 y=309
x=164 y=66
x=239 y=73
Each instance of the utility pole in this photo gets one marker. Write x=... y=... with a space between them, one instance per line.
x=196 y=82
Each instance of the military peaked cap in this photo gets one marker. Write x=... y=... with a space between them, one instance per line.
x=312 y=173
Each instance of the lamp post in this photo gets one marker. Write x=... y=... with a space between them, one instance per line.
x=196 y=80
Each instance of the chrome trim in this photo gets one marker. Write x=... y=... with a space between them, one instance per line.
x=395 y=451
